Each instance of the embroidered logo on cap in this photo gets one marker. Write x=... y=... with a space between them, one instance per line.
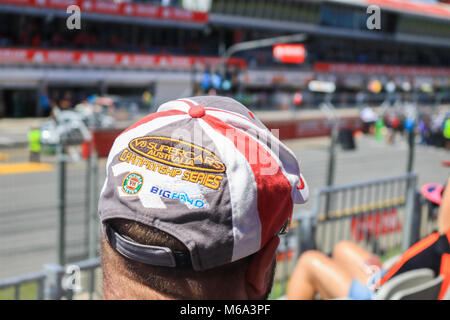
x=181 y=196
x=177 y=153
x=132 y=183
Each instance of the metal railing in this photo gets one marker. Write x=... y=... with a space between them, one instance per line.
x=377 y=214
x=15 y=283
x=74 y=281
x=50 y=216
x=384 y=216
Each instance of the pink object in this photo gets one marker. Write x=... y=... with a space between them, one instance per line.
x=432 y=192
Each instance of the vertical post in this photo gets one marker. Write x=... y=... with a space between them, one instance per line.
x=91 y=283
x=193 y=79
x=52 y=286
x=417 y=219
x=410 y=190
x=307 y=228
x=411 y=145
x=61 y=158
x=331 y=163
x=409 y=214
x=285 y=272
x=17 y=292
x=93 y=232
x=88 y=199
x=332 y=154
x=39 y=91
x=40 y=289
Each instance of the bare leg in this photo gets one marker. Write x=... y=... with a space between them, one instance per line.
x=317 y=273
x=358 y=262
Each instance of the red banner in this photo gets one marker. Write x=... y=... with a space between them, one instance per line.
x=108 y=59
x=379 y=69
x=289 y=53
x=375 y=224
x=123 y=9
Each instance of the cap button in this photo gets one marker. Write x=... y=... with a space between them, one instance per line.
x=197 y=111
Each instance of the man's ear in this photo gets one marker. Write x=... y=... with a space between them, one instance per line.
x=259 y=272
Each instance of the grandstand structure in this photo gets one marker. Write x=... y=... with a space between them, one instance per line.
x=168 y=47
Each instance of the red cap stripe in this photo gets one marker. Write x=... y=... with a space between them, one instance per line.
x=153 y=116
x=232 y=113
x=275 y=209
x=189 y=103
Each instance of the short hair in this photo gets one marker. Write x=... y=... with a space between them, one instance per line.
x=179 y=283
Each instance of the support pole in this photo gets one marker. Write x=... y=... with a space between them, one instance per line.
x=408 y=231
x=52 y=284
x=411 y=146
x=93 y=218
x=61 y=158
x=331 y=162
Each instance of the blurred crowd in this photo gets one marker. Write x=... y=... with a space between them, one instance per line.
x=432 y=126
x=97 y=36
x=435 y=129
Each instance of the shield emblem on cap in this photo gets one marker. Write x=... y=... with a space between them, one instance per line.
x=132 y=183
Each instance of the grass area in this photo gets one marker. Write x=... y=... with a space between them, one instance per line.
x=28 y=291
x=277 y=291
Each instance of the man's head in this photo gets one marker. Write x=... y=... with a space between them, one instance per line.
x=195 y=197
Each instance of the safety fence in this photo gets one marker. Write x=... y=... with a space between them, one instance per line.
x=385 y=216
x=50 y=213
x=81 y=280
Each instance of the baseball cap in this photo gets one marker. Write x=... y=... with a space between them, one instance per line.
x=433 y=192
x=206 y=171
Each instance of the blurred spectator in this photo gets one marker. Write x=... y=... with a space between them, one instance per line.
x=34 y=143
x=424 y=130
x=297 y=99
x=368 y=116
x=45 y=103
x=66 y=102
x=147 y=98
x=447 y=133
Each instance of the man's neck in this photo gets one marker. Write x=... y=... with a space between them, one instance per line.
x=123 y=288
x=126 y=289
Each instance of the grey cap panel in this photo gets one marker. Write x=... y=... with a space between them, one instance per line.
x=206 y=232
